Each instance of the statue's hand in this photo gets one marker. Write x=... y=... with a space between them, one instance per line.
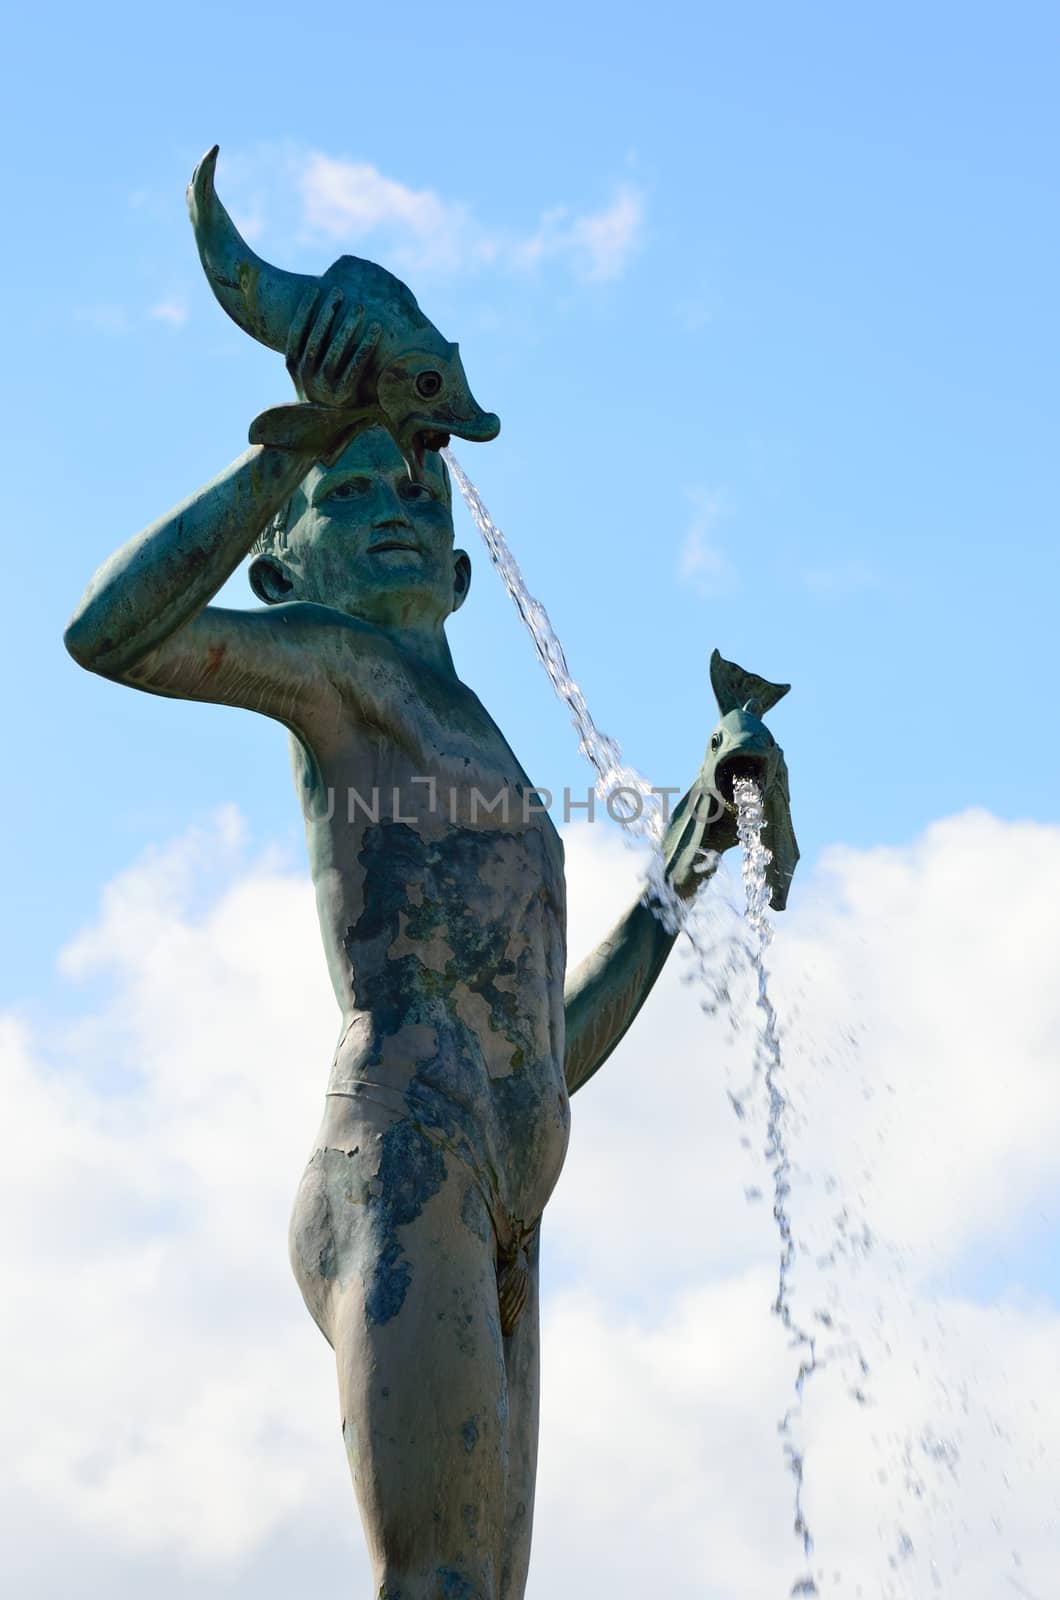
x=329 y=357
x=329 y=351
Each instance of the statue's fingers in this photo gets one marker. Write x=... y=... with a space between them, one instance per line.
x=318 y=333
x=298 y=332
x=342 y=344
x=349 y=379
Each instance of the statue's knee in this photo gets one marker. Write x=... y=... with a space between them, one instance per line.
x=311 y=1240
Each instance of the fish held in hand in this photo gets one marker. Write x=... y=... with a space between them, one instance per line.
x=741 y=746
x=410 y=379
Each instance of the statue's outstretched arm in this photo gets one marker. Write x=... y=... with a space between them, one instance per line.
x=603 y=995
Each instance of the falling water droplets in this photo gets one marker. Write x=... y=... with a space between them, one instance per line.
x=750 y=825
x=716 y=965
x=722 y=958
x=604 y=754
x=600 y=750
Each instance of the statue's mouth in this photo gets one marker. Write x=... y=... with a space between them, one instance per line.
x=393 y=544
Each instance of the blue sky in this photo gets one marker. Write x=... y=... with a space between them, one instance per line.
x=808 y=414
x=766 y=298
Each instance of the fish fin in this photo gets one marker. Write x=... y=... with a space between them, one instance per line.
x=364 y=279
x=733 y=687
x=322 y=430
x=780 y=837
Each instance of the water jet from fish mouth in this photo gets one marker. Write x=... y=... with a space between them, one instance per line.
x=750 y=826
x=744 y=776
x=600 y=750
x=720 y=961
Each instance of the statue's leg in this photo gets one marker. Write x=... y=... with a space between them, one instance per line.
x=424 y=1389
x=522 y=1354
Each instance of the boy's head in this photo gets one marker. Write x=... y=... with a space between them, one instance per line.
x=361 y=537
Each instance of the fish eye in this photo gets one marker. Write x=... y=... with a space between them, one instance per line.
x=429 y=384
x=715 y=742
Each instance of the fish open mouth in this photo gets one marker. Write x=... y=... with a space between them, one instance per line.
x=739 y=766
x=434 y=439
x=419 y=443
x=423 y=433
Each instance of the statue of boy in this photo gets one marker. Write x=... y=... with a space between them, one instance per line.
x=415 y=1231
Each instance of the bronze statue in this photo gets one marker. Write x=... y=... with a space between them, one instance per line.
x=416 y=1225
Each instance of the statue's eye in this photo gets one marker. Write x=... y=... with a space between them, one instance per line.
x=715 y=742
x=428 y=385
x=348 y=490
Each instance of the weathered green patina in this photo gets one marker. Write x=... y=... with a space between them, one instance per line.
x=740 y=746
x=396 y=369
x=440 y=889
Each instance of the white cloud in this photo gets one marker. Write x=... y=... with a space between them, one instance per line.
x=701 y=562
x=598 y=245
x=117 y=319
x=251 y=223
x=156 y=1147
x=920 y=1040
x=173 y=311
x=171 y=1415
x=608 y=238
x=352 y=201
x=941 y=954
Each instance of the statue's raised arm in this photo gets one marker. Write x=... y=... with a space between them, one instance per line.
x=362 y=356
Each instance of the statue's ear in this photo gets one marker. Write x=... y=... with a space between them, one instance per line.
x=270 y=580
x=461 y=577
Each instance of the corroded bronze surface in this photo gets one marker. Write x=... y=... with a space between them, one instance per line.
x=440 y=888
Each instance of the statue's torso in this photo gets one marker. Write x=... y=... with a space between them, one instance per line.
x=444 y=927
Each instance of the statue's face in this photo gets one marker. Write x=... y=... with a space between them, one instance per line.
x=364 y=539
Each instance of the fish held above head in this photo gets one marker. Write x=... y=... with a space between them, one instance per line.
x=414 y=384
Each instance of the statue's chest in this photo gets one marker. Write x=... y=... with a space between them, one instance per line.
x=474 y=883
x=462 y=922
